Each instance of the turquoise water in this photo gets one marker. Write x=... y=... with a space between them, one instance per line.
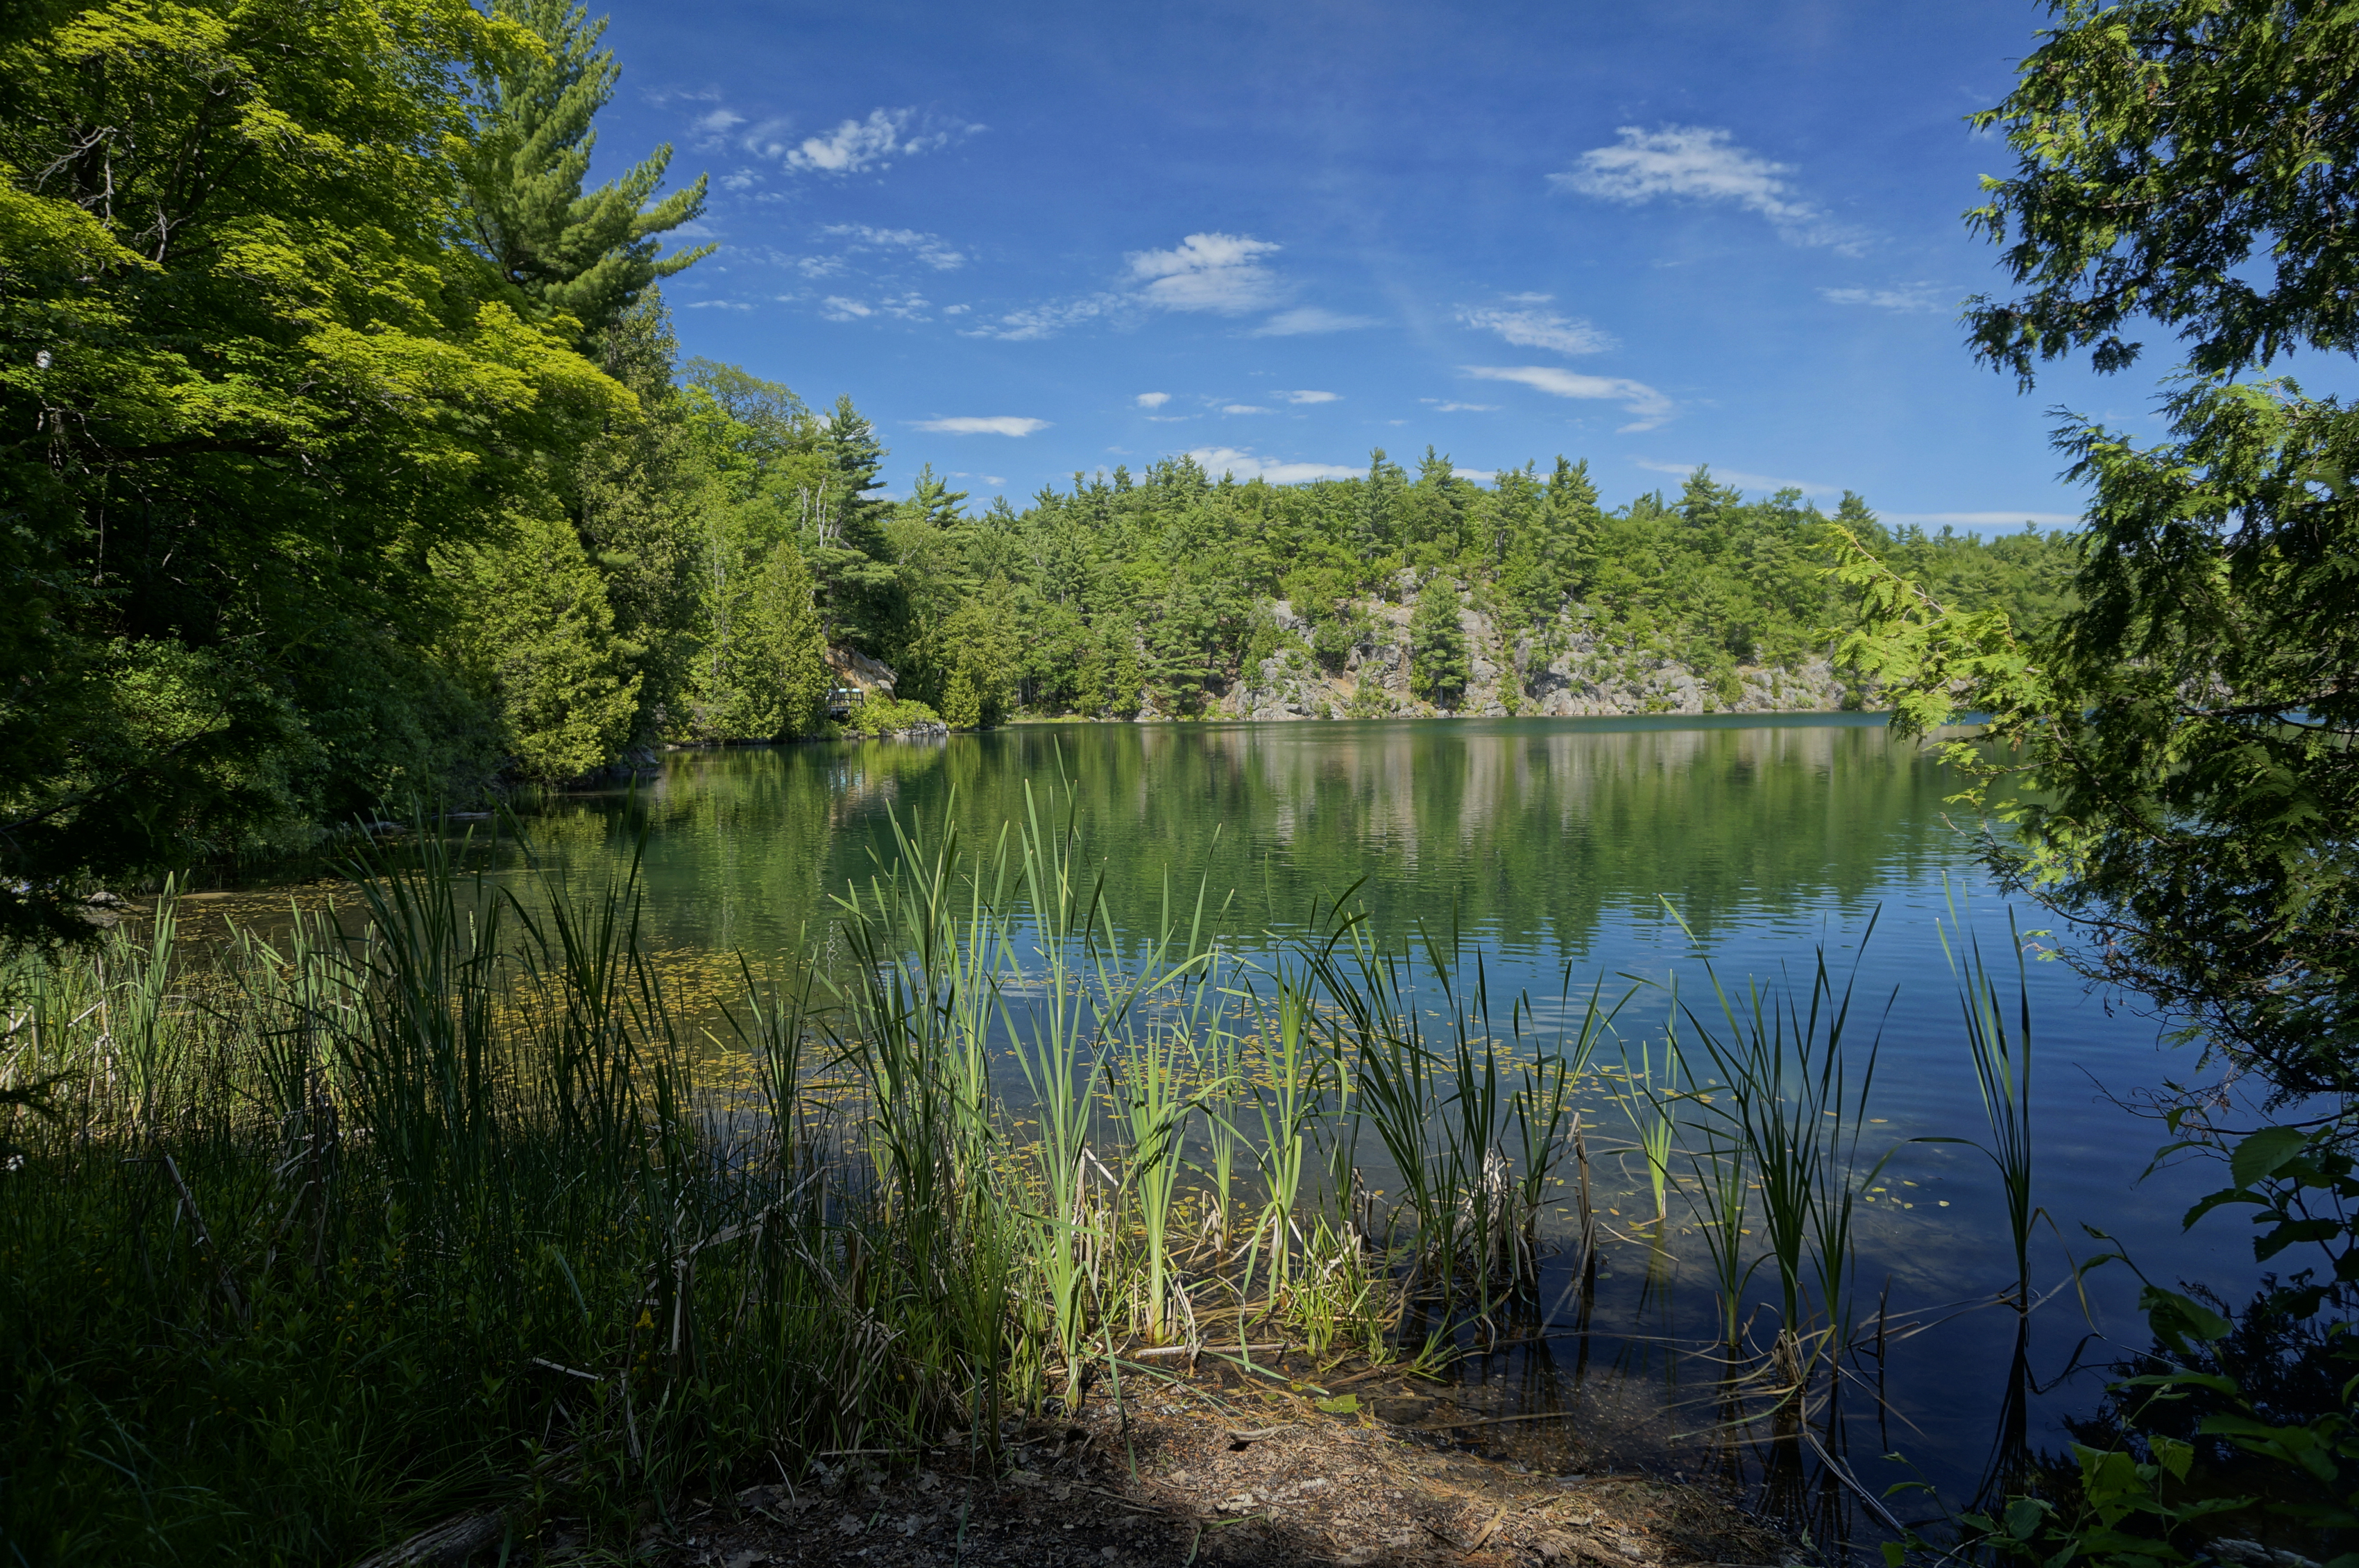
x=1555 y=847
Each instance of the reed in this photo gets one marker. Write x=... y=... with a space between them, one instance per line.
x=1786 y=1126
x=2001 y=1057
x=454 y=1219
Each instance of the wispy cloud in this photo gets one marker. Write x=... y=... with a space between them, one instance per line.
x=1649 y=407
x=1700 y=163
x=1243 y=409
x=1305 y=320
x=719 y=305
x=857 y=146
x=1227 y=275
x=1217 y=460
x=1985 y=519
x=1532 y=328
x=1905 y=297
x=1308 y=397
x=931 y=249
x=984 y=425
x=1038 y=322
x=1741 y=479
x=900 y=306
x=1217 y=272
x=1441 y=406
x=1153 y=400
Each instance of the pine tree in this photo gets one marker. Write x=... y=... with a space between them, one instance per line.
x=589 y=255
x=1377 y=526
x=1576 y=523
x=1438 y=668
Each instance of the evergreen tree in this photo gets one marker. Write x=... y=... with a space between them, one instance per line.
x=540 y=644
x=1378 y=520
x=1575 y=523
x=783 y=656
x=641 y=494
x=1438 y=667
x=932 y=502
x=586 y=255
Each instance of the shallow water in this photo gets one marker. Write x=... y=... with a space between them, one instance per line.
x=1556 y=847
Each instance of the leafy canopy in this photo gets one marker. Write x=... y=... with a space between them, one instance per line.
x=2176 y=758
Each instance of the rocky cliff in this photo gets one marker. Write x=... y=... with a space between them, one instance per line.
x=1567 y=669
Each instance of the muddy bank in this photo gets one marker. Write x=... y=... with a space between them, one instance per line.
x=1196 y=1472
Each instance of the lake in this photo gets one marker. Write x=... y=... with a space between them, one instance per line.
x=1557 y=847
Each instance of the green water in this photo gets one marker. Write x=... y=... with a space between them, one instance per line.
x=1557 y=850
x=1542 y=838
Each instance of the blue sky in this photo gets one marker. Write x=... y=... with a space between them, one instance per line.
x=1033 y=238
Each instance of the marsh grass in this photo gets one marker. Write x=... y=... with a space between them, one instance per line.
x=436 y=1204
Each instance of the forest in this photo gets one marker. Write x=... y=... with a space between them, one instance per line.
x=353 y=460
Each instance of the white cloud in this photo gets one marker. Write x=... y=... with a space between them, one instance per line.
x=1309 y=396
x=1218 y=460
x=931 y=249
x=718 y=305
x=984 y=425
x=1307 y=318
x=718 y=122
x=1907 y=296
x=1224 y=274
x=1242 y=408
x=993 y=479
x=765 y=140
x=1046 y=321
x=856 y=146
x=902 y=308
x=1986 y=519
x=1531 y=328
x=740 y=179
x=1741 y=479
x=1153 y=400
x=1484 y=475
x=1636 y=397
x=1700 y=163
x=956 y=310
x=1208 y=272
x=1441 y=408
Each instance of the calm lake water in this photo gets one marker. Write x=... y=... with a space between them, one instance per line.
x=1553 y=844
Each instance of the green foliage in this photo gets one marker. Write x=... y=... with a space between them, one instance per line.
x=540 y=641
x=2178 y=746
x=2173 y=755
x=563 y=252
x=1177 y=571
x=891 y=715
x=1437 y=667
x=2195 y=162
x=252 y=395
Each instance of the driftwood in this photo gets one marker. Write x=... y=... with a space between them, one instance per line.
x=446 y=1545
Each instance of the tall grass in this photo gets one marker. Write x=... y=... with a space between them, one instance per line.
x=2002 y=1063
x=436 y=1204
